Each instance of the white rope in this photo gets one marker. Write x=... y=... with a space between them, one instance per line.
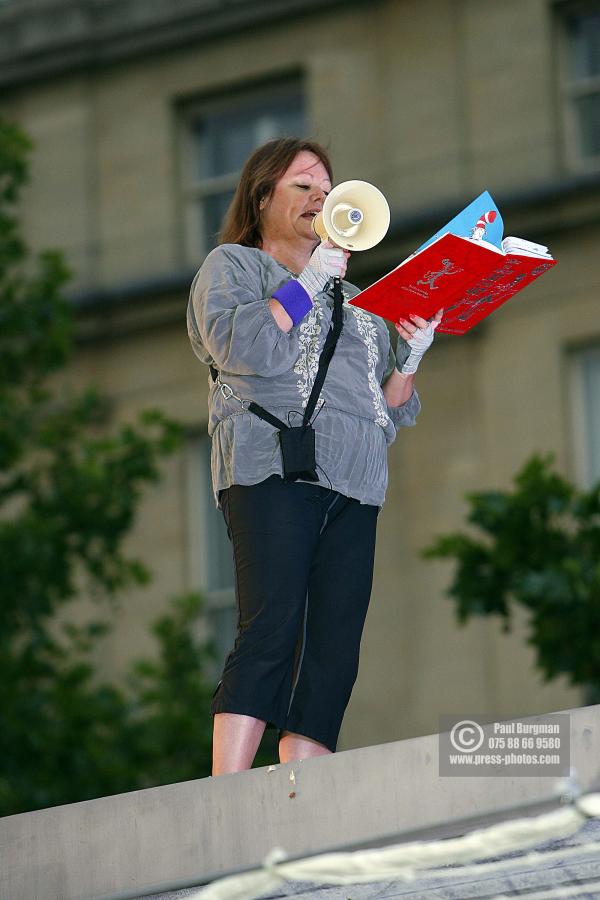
x=405 y=861
x=254 y=884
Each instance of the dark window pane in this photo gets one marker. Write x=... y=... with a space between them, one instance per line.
x=584 y=45
x=220 y=559
x=224 y=143
x=225 y=139
x=587 y=109
x=213 y=212
x=223 y=626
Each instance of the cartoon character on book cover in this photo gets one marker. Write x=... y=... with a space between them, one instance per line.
x=430 y=278
x=478 y=232
x=480 y=220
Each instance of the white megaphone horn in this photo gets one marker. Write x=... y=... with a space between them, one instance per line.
x=355 y=216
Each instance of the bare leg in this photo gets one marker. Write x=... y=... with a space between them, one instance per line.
x=295 y=746
x=235 y=742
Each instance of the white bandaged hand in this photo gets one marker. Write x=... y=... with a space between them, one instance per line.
x=326 y=262
x=415 y=339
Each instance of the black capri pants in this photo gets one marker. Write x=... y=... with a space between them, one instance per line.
x=303 y=559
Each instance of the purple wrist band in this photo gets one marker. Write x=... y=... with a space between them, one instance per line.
x=294 y=300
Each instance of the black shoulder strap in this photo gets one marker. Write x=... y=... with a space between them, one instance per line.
x=327 y=351
x=262 y=413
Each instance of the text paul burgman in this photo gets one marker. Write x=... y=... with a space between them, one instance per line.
x=526 y=728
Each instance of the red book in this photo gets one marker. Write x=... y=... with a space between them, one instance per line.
x=469 y=278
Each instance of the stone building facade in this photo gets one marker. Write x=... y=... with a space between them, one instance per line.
x=142 y=114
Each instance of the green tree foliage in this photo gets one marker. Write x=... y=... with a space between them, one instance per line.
x=537 y=545
x=69 y=491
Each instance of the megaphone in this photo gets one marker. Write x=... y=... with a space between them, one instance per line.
x=355 y=216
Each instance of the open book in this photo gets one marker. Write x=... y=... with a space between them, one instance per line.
x=466 y=268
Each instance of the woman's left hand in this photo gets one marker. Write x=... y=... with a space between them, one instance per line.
x=416 y=337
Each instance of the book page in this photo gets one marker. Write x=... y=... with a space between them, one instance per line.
x=521 y=247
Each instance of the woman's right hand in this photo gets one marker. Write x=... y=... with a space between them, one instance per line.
x=327 y=261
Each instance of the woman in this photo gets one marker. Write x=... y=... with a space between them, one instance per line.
x=259 y=312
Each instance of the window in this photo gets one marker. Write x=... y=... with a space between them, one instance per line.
x=219 y=135
x=586 y=415
x=581 y=83
x=210 y=568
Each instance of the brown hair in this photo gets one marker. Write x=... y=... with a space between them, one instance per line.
x=260 y=174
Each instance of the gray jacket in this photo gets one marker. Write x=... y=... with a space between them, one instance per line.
x=231 y=327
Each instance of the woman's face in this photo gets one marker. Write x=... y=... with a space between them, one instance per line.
x=298 y=196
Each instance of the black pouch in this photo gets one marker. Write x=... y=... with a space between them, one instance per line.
x=298 y=453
